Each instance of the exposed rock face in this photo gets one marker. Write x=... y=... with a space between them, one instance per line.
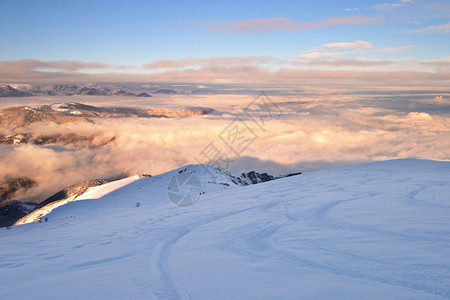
x=293 y=174
x=15 y=139
x=74 y=190
x=11 y=211
x=11 y=186
x=14 y=117
x=255 y=177
x=60 y=198
x=64 y=139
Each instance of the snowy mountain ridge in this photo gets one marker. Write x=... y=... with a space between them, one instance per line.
x=207 y=179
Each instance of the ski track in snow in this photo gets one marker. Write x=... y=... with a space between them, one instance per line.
x=356 y=224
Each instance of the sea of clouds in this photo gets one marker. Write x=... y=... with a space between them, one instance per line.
x=275 y=134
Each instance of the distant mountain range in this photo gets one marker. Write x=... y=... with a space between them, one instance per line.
x=164 y=91
x=27 y=90
x=9 y=91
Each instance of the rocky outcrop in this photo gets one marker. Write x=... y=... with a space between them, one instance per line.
x=74 y=190
x=14 y=117
x=11 y=211
x=13 y=185
x=22 y=214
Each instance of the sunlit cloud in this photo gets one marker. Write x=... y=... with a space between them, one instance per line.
x=333 y=51
x=264 y=25
x=345 y=46
x=351 y=9
x=312 y=132
x=439 y=99
x=351 y=62
x=321 y=55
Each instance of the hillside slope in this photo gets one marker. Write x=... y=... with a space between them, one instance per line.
x=371 y=231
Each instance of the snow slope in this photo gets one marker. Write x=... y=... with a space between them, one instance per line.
x=372 y=231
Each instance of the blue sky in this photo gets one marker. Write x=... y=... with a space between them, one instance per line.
x=136 y=33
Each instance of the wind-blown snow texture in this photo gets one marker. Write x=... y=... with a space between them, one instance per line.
x=373 y=231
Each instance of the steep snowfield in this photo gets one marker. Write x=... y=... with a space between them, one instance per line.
x=372 y=231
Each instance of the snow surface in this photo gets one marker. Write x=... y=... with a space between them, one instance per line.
x=372 y=231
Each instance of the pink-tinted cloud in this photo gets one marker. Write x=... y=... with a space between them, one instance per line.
x=439 y=63
x=314 y=55
x=332 y=51
x=264 y=25
x=159 y=64
x=443 y=28
x=351 y=62
x=316 y=69
x=32 y=68
x=306 y=74
x=66 y=65
x=207 y=62
x=394 y=49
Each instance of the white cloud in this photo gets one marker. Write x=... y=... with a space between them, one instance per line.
x=392 y=6
x=388 y=6
x=351 y=9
